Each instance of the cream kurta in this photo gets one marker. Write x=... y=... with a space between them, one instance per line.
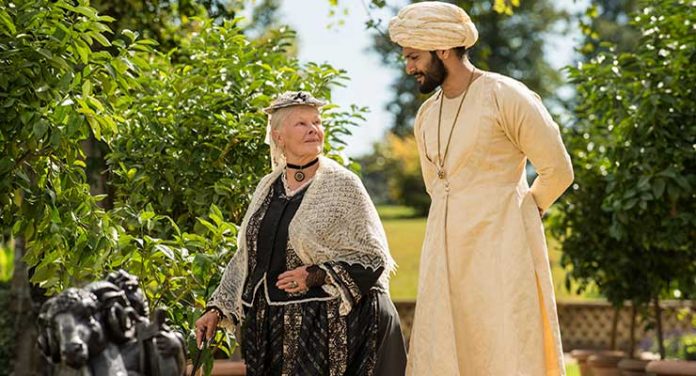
x=485 y=298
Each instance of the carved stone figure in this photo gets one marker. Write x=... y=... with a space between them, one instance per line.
x=103 y=329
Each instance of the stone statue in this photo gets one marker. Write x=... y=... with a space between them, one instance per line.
x=104 y=329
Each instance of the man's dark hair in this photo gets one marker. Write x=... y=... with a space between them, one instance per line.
x=461 y=51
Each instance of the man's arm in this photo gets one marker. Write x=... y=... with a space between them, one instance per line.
x=530 y=127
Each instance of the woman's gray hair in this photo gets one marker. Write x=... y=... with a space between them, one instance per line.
x=279 y=110
x=275 y=121
x=279 y=116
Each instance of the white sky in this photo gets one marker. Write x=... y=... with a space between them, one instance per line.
x=347 y=47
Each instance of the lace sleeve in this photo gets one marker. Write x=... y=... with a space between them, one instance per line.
x=316 y=276
x=227 y=296
x=349 y=282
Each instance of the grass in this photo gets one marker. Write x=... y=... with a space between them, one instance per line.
x=405 y=240
x=572 y=370
x=405 y=235
x=387 y=212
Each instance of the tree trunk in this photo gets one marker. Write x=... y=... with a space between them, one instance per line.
x=658 y=326
x=614 y=327
x=97 y=171
x=28 y=360
x=632 y=340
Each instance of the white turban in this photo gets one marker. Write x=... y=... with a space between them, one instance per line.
x=431 y=26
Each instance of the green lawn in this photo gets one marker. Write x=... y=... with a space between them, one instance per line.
x=572 y=370
x=405 y=234
x=405 y=240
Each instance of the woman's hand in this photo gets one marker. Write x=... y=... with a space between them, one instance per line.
x=205 y=326
x=293 y=281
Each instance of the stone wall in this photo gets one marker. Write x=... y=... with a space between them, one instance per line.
x=587 y=325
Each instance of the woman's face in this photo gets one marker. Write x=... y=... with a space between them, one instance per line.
x=301 y=135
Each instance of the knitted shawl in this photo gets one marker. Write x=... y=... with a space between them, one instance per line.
x=336 y=221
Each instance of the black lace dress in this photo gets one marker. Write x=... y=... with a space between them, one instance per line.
x=303 y=333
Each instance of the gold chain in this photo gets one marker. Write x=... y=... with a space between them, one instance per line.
x=442 y=158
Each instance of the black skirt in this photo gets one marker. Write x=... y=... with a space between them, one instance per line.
x=311 y=338
x=304 y=334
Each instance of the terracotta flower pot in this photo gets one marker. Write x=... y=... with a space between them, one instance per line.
x=581 y=356
x=605 y=363
x=672 y=367
x=633 y=367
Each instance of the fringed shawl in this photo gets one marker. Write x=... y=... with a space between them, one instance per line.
x=336 y=221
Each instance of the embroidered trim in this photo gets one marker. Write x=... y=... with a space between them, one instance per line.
x=338 y=340
x=347 y=280
x=372 y=340
x=292 y=262
x=253 y=229
x=267 y=297
x=292 y=324
x=334 y=288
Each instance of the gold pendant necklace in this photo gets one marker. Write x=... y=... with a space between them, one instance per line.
x=441 y=173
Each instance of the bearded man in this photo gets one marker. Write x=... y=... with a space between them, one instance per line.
x=485 y=304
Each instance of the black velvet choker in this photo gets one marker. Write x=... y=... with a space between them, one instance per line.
x=299 y=175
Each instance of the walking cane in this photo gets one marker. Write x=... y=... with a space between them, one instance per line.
x=199 y=353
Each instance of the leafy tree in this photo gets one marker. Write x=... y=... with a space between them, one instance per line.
x=404 y=182
x=165 y=21
x=634 y=139
x=170 y=21
x=606 y=23
x=183 y=139
x=191 y=152
x=578 y=221
x=56 y=92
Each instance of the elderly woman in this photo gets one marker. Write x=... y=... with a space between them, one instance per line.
x=309 y=282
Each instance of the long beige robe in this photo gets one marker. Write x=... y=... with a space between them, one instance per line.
x=485 y=302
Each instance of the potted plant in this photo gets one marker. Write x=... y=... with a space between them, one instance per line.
x=628 y=223
x=672 y=368
x=685 y=350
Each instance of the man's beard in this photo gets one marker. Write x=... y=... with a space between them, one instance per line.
x=433 y=77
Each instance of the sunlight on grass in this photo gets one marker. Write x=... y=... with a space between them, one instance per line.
x=395 y=212
x=572 y=370
x=405 y=240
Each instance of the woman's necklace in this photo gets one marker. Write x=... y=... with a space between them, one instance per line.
x=299 y=175
x=442 y=158
x=289 y=192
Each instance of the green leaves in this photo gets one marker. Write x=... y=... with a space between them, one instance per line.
x=633 y=214
x=182 y=135
x=8 y=26
x=57 y=93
